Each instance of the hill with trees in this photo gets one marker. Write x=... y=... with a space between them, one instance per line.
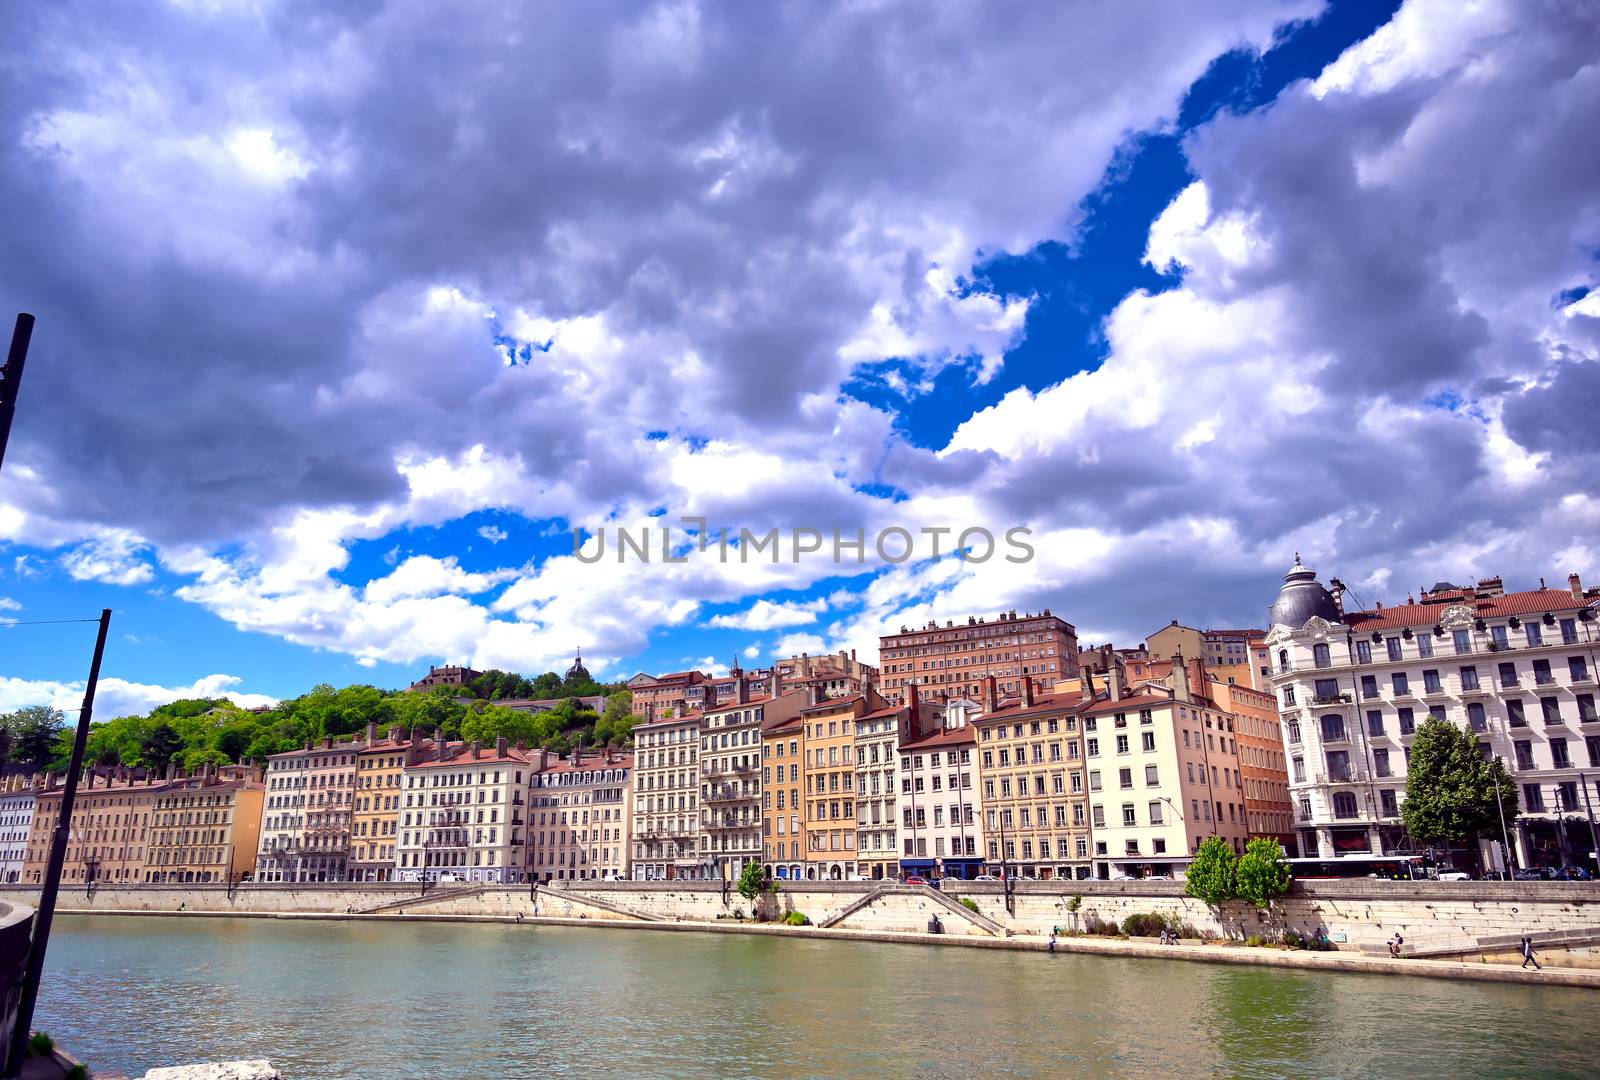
x=194 y=732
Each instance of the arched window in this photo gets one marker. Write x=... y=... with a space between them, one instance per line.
x=1283 y=659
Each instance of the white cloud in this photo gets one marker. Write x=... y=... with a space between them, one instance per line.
x=119 y=697
x=492 y=533
x=766 y=615
x=114 y=557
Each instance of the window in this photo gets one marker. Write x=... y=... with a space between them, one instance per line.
x=1424 y=645
x=1558 y=754
x=1098 y=817
x=1151 y=778
x=1462 y=640
x=1592 y=743
x=1293 y=731
x=1407 y=724
x=1125 y=777
x=1586 y=713
x=1319 y=654
x=1148 y=740
x=1392 y=645
x=1364 y=652
x=1541 y=673
x=1516 y=716
x=1476 y=719
x=1524 y=750
x=1155 y=814
x=1380 y=763
x=1508 y=674
x=1305 y=809
x=1333 y=729
x=1288 y=696
x=1386 y=800
x=1469 y=677
x=1122 y=744
x=1430 y=681
x=1569 y=632
x=1401 y=687
x=1339 y=766
x=1534 y=634
x=1344 y=805
x=1577 y=669
x=1533 y=798
x=1374 y=722
x=1327 y=690
x=1550 y=708
x=1436 y=712
x=1129 y=817
x=1299 y=771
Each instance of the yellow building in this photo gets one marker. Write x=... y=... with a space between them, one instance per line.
x=205 y=827
x=828 y=764
x=380 y=773
x=107 y=834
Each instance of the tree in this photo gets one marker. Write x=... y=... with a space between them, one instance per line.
x=160 y=745
x=1213 y=875
x=34 y=732
x=1451 y=787
x=753 y=882
x=1261 y=876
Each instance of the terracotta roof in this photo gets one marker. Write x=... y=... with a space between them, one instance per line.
x=1533 y=602
x=1012 y=708
x=797 y=722
x=1135 y=700
x=462 y=755
x=619 y=760
x=834 y=703
x=943 y=737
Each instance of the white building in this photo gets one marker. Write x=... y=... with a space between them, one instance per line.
x=1517 y=669
x=464 y=814
x=16 y=818
x=666 y=798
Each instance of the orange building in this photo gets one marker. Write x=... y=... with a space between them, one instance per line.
x=782 y=811
x=1261 y=759
x=828 y=765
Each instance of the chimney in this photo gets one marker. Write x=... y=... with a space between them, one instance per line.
x=439 y=746
x=1114 y=683
x=741 y=689
x=1086 y=686
x=814 y=693
x=989 y=697
x=777 y=682
x=500 y=745
x=1575 y=584
x=1180 y=679
x=172 y=770
x=477 y=748
x=522 y=746
x=327 y=742
x=1027 y=691
x=372 y=732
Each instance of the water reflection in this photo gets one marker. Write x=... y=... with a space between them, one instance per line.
x=399 y=1001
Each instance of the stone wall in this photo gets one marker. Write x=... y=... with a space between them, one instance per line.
x=16 y=929
x=1356 y=914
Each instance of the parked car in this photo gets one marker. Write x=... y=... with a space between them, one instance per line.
x=445 y=879
x=1528 y=873
x=915 y=880
x=610 y=875
x=1448 y=874
x=986 y=877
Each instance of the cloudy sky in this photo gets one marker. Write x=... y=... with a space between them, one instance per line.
x=349 y=314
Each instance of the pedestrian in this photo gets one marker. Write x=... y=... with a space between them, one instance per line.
x=1527 y=954
x=1394 y=946
x=1052 y=940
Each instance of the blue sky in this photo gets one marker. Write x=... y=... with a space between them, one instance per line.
x=325 y=376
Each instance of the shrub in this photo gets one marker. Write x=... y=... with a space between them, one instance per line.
x=40 y=1045
x=1293 y=940
x=1255 y=940
x=78 y=1072
x=969 y=903
x=796 y=918
x=1144 y=925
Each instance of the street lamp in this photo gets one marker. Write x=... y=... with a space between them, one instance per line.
x=1499 y=804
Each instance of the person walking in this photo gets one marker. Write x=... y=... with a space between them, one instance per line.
x=1527 y=954
x=1052 y=941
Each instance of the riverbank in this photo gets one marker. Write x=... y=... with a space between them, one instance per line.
x=1189 y=951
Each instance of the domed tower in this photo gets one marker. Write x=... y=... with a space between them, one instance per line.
x=1301 y=598
x=577 y=672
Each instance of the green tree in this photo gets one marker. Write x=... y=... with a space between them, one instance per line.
x=1212 y=876
x=35 y=730
x=753 y=882
x=1261 y=875
x=160 y=745
x=1451 y=790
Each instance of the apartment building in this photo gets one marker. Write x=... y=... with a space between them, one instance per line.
x=730 y=775
x=375 y=812
x=952 y=661
x=206 y=827
x=108 y=830
x=666 y=798
x=879 y=733
x=464 y=814
x=783 y=812
x=583 y=822
x=18 y=792
x=939 y=805
x=1258 y=735
x=309 y=810
x=664 y=695
x=1163 y=774
x=828 y=775
x=1516 y=669
x=1035 y=797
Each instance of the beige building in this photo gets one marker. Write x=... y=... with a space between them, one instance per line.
x=939 y=802
x=730 y=775
x=879 y=732
x=1163 y=776
x=464 y=814
x=206 y=827
x=666 y=799
x=582 y=812
x=952 y=660
x=108 y=833
x=375 y=820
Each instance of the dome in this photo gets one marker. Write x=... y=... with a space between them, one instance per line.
x=1301 y=598
x=577 y=671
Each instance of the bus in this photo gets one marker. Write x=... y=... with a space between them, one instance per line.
x=1385 y=867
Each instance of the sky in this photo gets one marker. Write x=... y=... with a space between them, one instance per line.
x=357 y=340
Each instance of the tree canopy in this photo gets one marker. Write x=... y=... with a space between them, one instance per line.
x=1261 y=875
x=1451 y=787
x=1212 y=876
x=193 y=732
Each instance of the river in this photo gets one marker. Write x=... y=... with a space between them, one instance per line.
x=398 y=1001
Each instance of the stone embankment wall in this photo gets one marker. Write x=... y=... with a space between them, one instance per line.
x=1357 y=914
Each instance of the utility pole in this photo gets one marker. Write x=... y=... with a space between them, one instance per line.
x=11 y=377
x=1588 y=807
x=58 y=856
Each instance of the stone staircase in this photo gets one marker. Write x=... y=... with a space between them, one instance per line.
x=432 y=896
x=590 y=900
x=954 y=907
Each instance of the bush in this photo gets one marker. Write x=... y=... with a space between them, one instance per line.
x=1144 y=925
x=969 y=903
x=1293 y=940
x=40 y=1045
x=78 y=1072
x=1255 y=940
x=796 y=918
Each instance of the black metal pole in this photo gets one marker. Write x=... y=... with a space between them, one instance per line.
x=11 y=377
x=1588 y=807
x=58 y=855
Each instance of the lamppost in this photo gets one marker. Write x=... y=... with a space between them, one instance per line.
x=1588 y=807
x=91 y=868
x=1006 y=883
x=1499 y=804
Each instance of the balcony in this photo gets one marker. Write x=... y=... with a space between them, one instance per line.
x=1330 y=699
x=1582 y=678
x=1544 y=678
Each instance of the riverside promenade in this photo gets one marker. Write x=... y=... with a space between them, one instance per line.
x=1452 y=930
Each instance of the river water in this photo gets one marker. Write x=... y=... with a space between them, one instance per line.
x=397 y=1001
